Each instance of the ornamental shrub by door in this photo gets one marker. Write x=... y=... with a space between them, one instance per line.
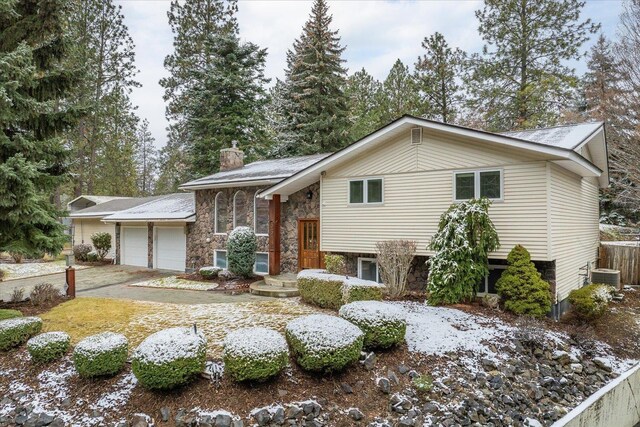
x=241 y=251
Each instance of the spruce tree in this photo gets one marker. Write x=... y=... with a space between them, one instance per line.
x=438 y=75
x=34 y=112
x=173 y=167
x=362 y=94
x=315 y=77
x=398 y=95
x=280 y=134
x=146 y=160
x=520 y=81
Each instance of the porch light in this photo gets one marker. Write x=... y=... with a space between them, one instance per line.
x=309 y=195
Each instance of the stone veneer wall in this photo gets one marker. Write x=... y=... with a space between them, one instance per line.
x=150 y=244
x=200 y=252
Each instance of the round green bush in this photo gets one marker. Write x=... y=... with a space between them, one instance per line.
x=384 y=324
x=9 y=314
x=326 y=290
x=209 y=272
x=18 y=330
x=169 y=358
x=241 y=251
x=101 y=355
x=590 y=302
x=255 y=354
x=323 y=343
x=49 y=346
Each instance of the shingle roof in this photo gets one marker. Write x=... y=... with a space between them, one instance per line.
x=264 y=170
x=110 y=207
x=566 y=136
x=177 y=206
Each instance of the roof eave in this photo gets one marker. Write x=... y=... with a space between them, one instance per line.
x=190 y=218
x=231 y=184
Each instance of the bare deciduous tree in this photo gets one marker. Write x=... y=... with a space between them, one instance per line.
x=394 y=259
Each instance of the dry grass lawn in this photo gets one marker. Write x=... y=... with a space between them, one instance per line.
x=82 y=317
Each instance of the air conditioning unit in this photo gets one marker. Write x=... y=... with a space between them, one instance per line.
x=416 y=136
x=606 y=276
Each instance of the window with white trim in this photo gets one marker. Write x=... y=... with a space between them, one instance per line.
x=366 y=191
x=368 y=269
x=220 y=259
x=262 y=263
x=476 y=184
x=220 y=214
x=240 y=209
x=260 y=215
x=488 y=284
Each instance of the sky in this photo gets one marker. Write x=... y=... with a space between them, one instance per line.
x=375 y=34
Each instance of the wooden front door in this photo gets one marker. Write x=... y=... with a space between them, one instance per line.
x=309 y=244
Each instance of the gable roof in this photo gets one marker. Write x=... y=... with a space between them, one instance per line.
x=559 y=144
x=172 y=207
x=256 y=173
x=110 y=207
x=90 y=200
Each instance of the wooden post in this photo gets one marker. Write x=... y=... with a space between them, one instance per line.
x=274 y=235
x=71 y=281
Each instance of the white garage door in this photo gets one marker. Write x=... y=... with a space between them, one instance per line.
x=170 y=248
x=134 y=246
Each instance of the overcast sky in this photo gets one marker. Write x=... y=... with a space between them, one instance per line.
x=375 y=33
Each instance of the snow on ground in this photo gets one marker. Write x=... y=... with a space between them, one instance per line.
x=120 y=394
x=174 y=282
x=34 y=269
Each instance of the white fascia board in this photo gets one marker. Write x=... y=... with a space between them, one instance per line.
x=231 y=184
x=191 y=218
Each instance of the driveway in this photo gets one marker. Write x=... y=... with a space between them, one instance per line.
x=111 y=281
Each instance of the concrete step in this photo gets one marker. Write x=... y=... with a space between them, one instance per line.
x=265 y=290
x=287 y=280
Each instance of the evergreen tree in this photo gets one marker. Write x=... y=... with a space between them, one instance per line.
x=438 y=75
x=398 y=95
x=315 y=78
x=520 y=80
x=278 y=122
x=173 y=167
x=362 y=94
x=34 y=111
x=146 y=159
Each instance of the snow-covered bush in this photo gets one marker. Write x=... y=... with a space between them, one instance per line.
x=241 y=251
x=102 y=244
x=255 y=354
x=9 y=314
x=323 y=343
x=81 y=251
x=18 y=330
x=591 y=302
x=326 y=290
x=93 y=257
x=169 y=358
x=335 y=264
x=394 y=258
x=49 y=346
x=209 y=272
x=384 y=324
x=462 y=243
x=100 y=355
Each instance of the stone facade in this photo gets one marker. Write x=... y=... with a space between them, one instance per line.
x=231 y=158
x=150 y=244
x=297 y=207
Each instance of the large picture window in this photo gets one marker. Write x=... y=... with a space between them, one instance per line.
x=477 y=184
x=366 y=191
x=261 y=215
x=240 y=209
x=220 y=214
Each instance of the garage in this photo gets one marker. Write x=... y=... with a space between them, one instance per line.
x=134 y=246
x=170 y=248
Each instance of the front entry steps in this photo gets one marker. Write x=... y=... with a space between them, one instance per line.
x=264 y=289
x=285 y=280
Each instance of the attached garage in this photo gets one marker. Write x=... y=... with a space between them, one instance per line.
x=134 y=246
x=170 y=248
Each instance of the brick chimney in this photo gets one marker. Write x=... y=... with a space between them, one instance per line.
x=231 y=158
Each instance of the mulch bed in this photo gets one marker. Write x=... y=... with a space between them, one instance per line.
x=238 y=285
x=28 y=309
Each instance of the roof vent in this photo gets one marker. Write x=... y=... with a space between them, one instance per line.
x=416 y=136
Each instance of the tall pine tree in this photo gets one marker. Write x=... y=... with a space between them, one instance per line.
x=362 y=95
x=520 y=81
x=398 y=95
x=35 y=110
x=146 y=160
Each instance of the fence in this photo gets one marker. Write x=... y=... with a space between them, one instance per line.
x=623 y=257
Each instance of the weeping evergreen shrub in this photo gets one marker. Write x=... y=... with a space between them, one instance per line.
x=241 y=251
x=464 y=239
x=521 y=286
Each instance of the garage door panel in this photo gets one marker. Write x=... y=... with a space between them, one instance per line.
x=134 y=246
x=171 y=248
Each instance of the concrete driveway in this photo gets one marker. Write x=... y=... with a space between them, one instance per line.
x=111 y=281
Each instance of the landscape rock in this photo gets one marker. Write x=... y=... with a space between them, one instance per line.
x=369 y=362
x=384 y=385
x=356 y=414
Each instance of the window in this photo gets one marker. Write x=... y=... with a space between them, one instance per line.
x=220 y=214
x=262 y=263
x=488 y=284
x=240 y=209
x=368 y=269
x=220 y=259
x=477 y=184
x=365 y=191
x=261 y=215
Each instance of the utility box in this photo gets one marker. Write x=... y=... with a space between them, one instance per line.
x=606 y=276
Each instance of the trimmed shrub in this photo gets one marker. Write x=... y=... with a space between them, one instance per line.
x=365 y=291
x=49 y=346
x=241 y=251
x=18 y=330
x=323 y=343
x=92 y=257
x=9 y=314
x=209 y=272
x=255 y=354
x=384 y=325
x=101 y=243
x=81 y=251
x=42 y=293
x=335 y=264
x=169 y=358
x=101 y=355
x=326 y=290
x=591 y=302
x=521 y=286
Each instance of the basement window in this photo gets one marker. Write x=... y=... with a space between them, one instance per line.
x=368 y=269
x=262 y=263
x=220 y=259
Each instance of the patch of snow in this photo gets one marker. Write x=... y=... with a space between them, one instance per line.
x=174 y=282
x=18 y=322
x=372 y=312
x=241 y=233
x=100 y=343
x=120 y=394
x=321 y=332
x=346 y=280
x=257 y=343
x=34 y=269
x=169 y=345
x=43 y=340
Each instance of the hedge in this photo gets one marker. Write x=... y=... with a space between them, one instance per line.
x=590 y=302
x=323 y=343
x=209 y=272
x=317 y=287
x=101 y=355
x=169 y=358
x=384 y=324
x=255 y=354
x=18 y=330
x=49 y=346
x=9 y=314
